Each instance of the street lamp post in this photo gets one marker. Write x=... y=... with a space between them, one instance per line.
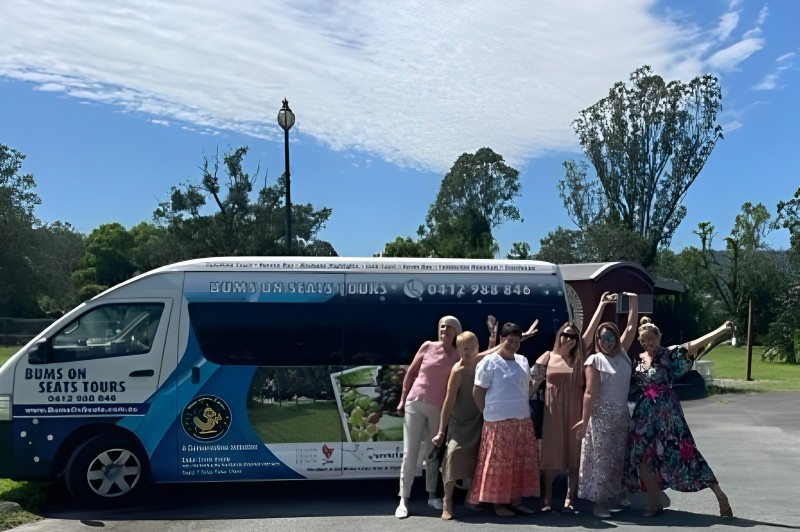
x=286 y=121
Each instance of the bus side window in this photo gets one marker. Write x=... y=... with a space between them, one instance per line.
x=108 y=331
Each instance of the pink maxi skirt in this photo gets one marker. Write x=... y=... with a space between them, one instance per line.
x=508 y=463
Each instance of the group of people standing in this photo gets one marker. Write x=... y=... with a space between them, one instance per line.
x=473 y=405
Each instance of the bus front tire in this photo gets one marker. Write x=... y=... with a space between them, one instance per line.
x=105 y=470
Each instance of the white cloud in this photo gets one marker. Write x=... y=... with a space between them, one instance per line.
x=768 y=83
x=732 y=126
x=727 y=23
x=730 y=57
x=762 y=15
x=416 y=82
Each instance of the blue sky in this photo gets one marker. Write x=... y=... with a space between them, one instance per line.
x=114 y=102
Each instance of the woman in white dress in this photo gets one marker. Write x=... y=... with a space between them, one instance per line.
x=605 y=422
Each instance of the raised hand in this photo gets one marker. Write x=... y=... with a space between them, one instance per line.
x=532 y=330
x=608 y=297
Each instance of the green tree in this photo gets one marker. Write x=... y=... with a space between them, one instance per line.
x=403 y=247
x=475 y=196
x=18 y=200
x=647 y=142
x=59 y=248
x=783 y=340
x=520 y=251
x=602 y=242
x=106 y=262
x=151 y=247
x=788 y=217
x=236 y=225
x=746 y=269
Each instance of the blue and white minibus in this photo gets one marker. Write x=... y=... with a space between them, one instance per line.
x=259 y=368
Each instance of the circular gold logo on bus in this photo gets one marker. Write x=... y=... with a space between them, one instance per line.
x=206 y=418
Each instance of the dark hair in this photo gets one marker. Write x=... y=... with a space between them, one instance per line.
x=578 y=348
x=510 y=329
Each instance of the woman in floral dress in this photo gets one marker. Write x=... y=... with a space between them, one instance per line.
x=661 y=452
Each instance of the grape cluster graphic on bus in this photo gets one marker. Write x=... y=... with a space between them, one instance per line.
x=363 y=414
x=369 y=396
x=390 y=386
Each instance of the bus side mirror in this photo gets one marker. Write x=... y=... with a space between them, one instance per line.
x=39 y=353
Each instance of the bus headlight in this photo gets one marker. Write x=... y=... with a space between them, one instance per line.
x=5 y=407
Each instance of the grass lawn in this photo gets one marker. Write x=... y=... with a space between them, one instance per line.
x=6 y=352
x=29 y=495
x=731 y=363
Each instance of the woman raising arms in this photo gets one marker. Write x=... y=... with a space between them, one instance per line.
x=661 y=452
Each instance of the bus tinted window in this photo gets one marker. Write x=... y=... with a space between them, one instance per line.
x=349 y=333
x=280 y=334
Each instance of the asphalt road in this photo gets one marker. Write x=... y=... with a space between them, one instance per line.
x=752 y=441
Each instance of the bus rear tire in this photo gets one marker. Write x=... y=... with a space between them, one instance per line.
x=106 y=470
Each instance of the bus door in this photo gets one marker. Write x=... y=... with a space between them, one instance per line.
x=264 y=349
x=102 y=367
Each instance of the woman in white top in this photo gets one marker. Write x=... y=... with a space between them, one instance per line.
x=604 y=425
x=508 y=459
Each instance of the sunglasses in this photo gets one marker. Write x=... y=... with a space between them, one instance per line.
x=569 y=336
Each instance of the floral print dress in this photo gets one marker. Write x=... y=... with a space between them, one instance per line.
x=659 y=435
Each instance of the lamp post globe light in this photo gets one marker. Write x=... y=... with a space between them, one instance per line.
x=286 y=121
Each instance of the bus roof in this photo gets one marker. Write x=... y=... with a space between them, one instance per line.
x=360 y=264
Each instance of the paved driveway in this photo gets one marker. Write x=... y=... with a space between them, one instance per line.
x=752 y=442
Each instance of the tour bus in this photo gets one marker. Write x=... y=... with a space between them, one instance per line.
x=259 y=368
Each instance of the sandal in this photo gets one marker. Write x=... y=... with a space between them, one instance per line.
x=501 y=510
x=568 y=508
x=522 y=509
x=601 y=512
x=725 y=509
x=655 y=512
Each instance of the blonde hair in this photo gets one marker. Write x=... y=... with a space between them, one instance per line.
x=467 y=336
x=453 y=322
x=646 y=324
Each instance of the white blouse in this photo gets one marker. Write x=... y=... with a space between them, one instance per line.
x=508 y=386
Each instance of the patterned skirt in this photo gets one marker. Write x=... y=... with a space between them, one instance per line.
x=508 y=463
x=603 y=453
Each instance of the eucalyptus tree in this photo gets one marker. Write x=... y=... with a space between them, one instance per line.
x=647 y=142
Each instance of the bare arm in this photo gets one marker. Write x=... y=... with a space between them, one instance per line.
x=411 y=376
x=587 y=339
x=532 y=330
x=589 y=399
x=703 y=341
x=539 y=376
x=453 y=384
x=629 y=334
x=479 y=394
x=491 y=324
